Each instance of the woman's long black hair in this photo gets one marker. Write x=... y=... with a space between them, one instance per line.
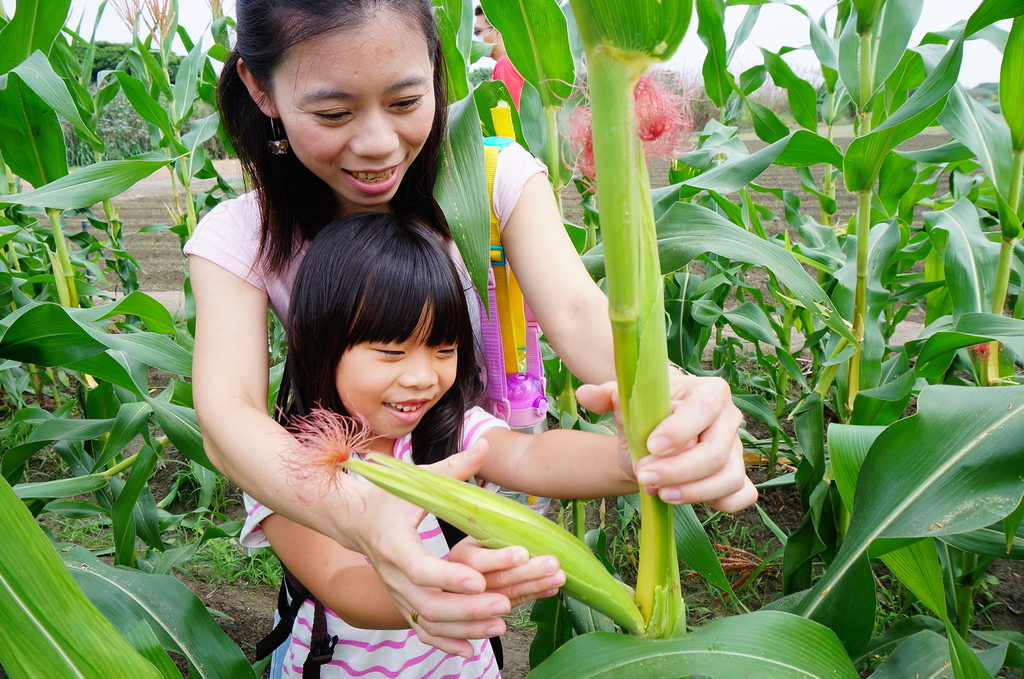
x=294 y=203
x=373 y=277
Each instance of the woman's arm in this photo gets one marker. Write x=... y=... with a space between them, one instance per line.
x=696 y=455
x=230 y=373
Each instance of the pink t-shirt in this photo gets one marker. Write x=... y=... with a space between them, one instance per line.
x=507 y=73
x=229 y=235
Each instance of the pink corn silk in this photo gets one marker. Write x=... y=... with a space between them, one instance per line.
x=325 y=441
x=664 y=125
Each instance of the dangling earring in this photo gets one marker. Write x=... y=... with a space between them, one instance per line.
x=278 y=144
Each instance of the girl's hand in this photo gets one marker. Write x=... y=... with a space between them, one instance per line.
x=510 y=571
x=695 y=453
x=453 y=601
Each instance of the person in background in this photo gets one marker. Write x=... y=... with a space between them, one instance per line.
x=503 y=68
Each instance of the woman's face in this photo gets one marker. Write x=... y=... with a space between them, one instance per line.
x=357 y=106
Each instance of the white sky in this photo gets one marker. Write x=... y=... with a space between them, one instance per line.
x=777 y=26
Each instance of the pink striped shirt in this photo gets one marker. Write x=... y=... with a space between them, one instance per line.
x=386 y=654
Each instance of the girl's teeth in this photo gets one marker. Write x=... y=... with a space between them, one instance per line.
x=404 y=409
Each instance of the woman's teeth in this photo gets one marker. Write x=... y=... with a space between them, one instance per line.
x=404 y=409
x=372 y=177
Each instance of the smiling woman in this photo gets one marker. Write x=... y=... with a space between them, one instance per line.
x=357 y=88
x=359 y=136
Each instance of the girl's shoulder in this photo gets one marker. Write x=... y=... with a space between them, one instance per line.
x=476 y=422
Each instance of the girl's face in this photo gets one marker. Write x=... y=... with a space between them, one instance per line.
x=357 y=106
x=393 y=385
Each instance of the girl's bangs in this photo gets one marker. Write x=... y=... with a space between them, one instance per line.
x=420 y=300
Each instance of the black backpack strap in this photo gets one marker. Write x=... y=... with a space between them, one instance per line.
x=321 y=644
x=289 y=600
x=321 y=648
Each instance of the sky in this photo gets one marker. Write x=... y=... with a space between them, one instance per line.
x=777 y=26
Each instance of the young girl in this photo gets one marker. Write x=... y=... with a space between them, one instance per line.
x=379 y=328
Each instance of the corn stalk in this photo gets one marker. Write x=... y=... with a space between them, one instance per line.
x=621 y=42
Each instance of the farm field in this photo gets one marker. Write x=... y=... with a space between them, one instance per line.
x=248 y=607
x=835 y=250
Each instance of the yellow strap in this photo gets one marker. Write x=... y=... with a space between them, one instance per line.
x=501 y=116
x=508 y=296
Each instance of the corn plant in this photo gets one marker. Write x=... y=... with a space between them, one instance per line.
x=906 y=455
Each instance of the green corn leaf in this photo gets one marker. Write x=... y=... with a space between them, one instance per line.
x=129 y=423
x=867 y=11
x=848 y=445
x=803 y=99
x=176 y=616
x=936 y=352
x=917 y=567
x=37 y=73
x=1011 y=85
x=965 y=664
x=90 y=185
x=537 y=41
x=154 y=314
x=49 y=627
x=991 y=11
x=687 y=231
x=990 y=541
x=182 y=428
x=970 y=258
x=694 y=548
x=31 y=140
x=718 y=82
x=496 y=521
x=461 y=190
x=799 y=149
x=143 y=640
x=185 y=82
x=737 y=646
x=985 y=133
x=866 y=154
x=195 y=160
x=448 y=22
x=33 y=27
x=923 y=655
x=951 y=468
x=71 y=487
x=144 y=103
x=122 y=511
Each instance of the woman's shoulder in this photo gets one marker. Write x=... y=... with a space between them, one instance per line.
x=515 y=167
x=232 y=221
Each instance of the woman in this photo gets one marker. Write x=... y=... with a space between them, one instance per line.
x=334 y=107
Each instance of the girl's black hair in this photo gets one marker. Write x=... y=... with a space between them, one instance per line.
x=294 y=203
x=372 y=277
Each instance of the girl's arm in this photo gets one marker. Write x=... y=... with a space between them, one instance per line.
x=340 y=578
x=230 y=369
x=560 y=463
x=343 y=581
x=573 y=312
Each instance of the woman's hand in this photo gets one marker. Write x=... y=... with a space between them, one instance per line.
x=510 y=571
x=451 y=599
x=695 y=453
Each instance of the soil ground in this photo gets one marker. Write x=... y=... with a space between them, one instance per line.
x=247 y=609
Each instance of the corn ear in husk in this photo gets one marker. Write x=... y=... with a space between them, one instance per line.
x=496 y=521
